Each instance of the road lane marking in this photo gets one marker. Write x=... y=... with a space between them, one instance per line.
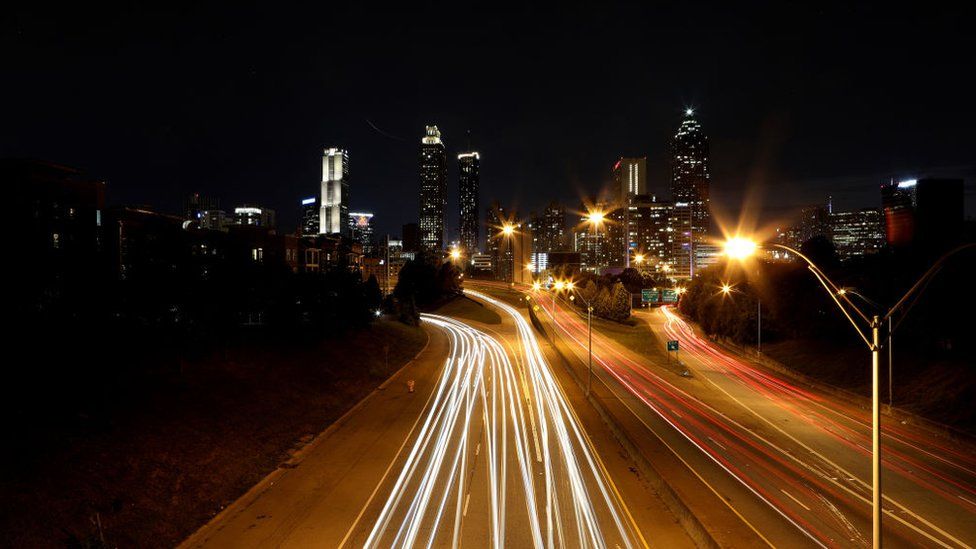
x=467 y=500
x=798 y=502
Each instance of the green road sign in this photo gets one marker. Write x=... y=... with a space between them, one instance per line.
x=672 y=344
x=650 y=295
x=670 y=296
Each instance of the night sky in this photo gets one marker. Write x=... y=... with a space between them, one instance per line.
x=238 y=102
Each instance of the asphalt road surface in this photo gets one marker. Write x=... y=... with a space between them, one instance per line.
x=790 y=461
x=487 y=451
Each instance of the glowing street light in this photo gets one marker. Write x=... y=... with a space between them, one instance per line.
x=639 y=258
x=455 y=254
x=508 y=230
x=726 y=289
x=739 y=247
x=595 y=218
x=559 y=285
x=537 y=285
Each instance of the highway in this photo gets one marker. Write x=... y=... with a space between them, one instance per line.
x=791 y=462
x=486 y=452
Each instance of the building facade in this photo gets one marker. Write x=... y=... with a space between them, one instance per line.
x=433 y=191
x=334 y=214
x=254 y=216
x=309 y=215
x=690 y=191
x=630 y=177
x=649 y=232
x=361 y=230
x=469 y=182
x=857 y=233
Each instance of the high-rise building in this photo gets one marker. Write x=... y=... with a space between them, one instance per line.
x=857 y=233
x=630 y=177
x=310 y=216
x=254 y=216
x=813 y=221
x=334 y=216
x=361 y=230
x=433 y=191
x=939 y=214
x=591 y=240
x=499 y=244
x=411 y=237
x=196 y=204
x=549 y=229
x=469 y=181
x=649 y=231
x=898 y=201
x=690 y=191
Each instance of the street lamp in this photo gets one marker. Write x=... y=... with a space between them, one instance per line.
x=571 y=287
x=741 y=248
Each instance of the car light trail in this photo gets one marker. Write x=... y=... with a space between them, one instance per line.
x=801 y=484
x=492 y=412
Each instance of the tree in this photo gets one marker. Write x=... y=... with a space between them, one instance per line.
x=372 y=293
x=619 y=305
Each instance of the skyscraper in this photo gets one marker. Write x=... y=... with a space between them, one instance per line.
x=334 y=216
x=433 y=191
x=898 y=201
x=630 y=177
x=361 y=230
x=469 y=181
x=690 y=191
x=549 y=229
x=310 y=216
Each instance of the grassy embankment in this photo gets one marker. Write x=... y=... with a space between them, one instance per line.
x=152 y=472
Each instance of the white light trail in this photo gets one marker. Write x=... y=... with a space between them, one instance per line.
x=521 y=407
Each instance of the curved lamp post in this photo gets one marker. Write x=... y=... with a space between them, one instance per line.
x=741 y=248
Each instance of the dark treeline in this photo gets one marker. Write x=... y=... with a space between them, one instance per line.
x=796 y=306
x=95 y=336
x=423 y=285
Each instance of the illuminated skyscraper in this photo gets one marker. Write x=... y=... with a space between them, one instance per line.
x=361 y=230
x=334 y=215
x=630 y=177
x=469 y=181
x=689 y=189
x=310 y=216
x=433 y=191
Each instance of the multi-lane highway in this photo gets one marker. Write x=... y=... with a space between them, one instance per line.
x=500 y=458
x=791 y=462
x=487 y=451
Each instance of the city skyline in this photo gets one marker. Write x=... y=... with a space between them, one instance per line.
x=780 y=135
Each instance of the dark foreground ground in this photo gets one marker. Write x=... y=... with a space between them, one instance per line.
x=149 y=471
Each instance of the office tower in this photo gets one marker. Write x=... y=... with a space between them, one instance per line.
x=217 y=220
x=812 y=221
x=334 y=215
x=591 y=239
x=649 y=232
x=630 y=177
x=254 y=216
x=361 y=230
x=898 y=200
x=857 y=233
x=411 y=237
x=196 y=204
x=499 y=244
x=433 y=191
x=690 y=191
x=939 y=214
x=549 y=229
x=309 y=216
x=469 y=181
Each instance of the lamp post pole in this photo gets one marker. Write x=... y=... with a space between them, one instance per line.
x=875 y=435
x=891 y=398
